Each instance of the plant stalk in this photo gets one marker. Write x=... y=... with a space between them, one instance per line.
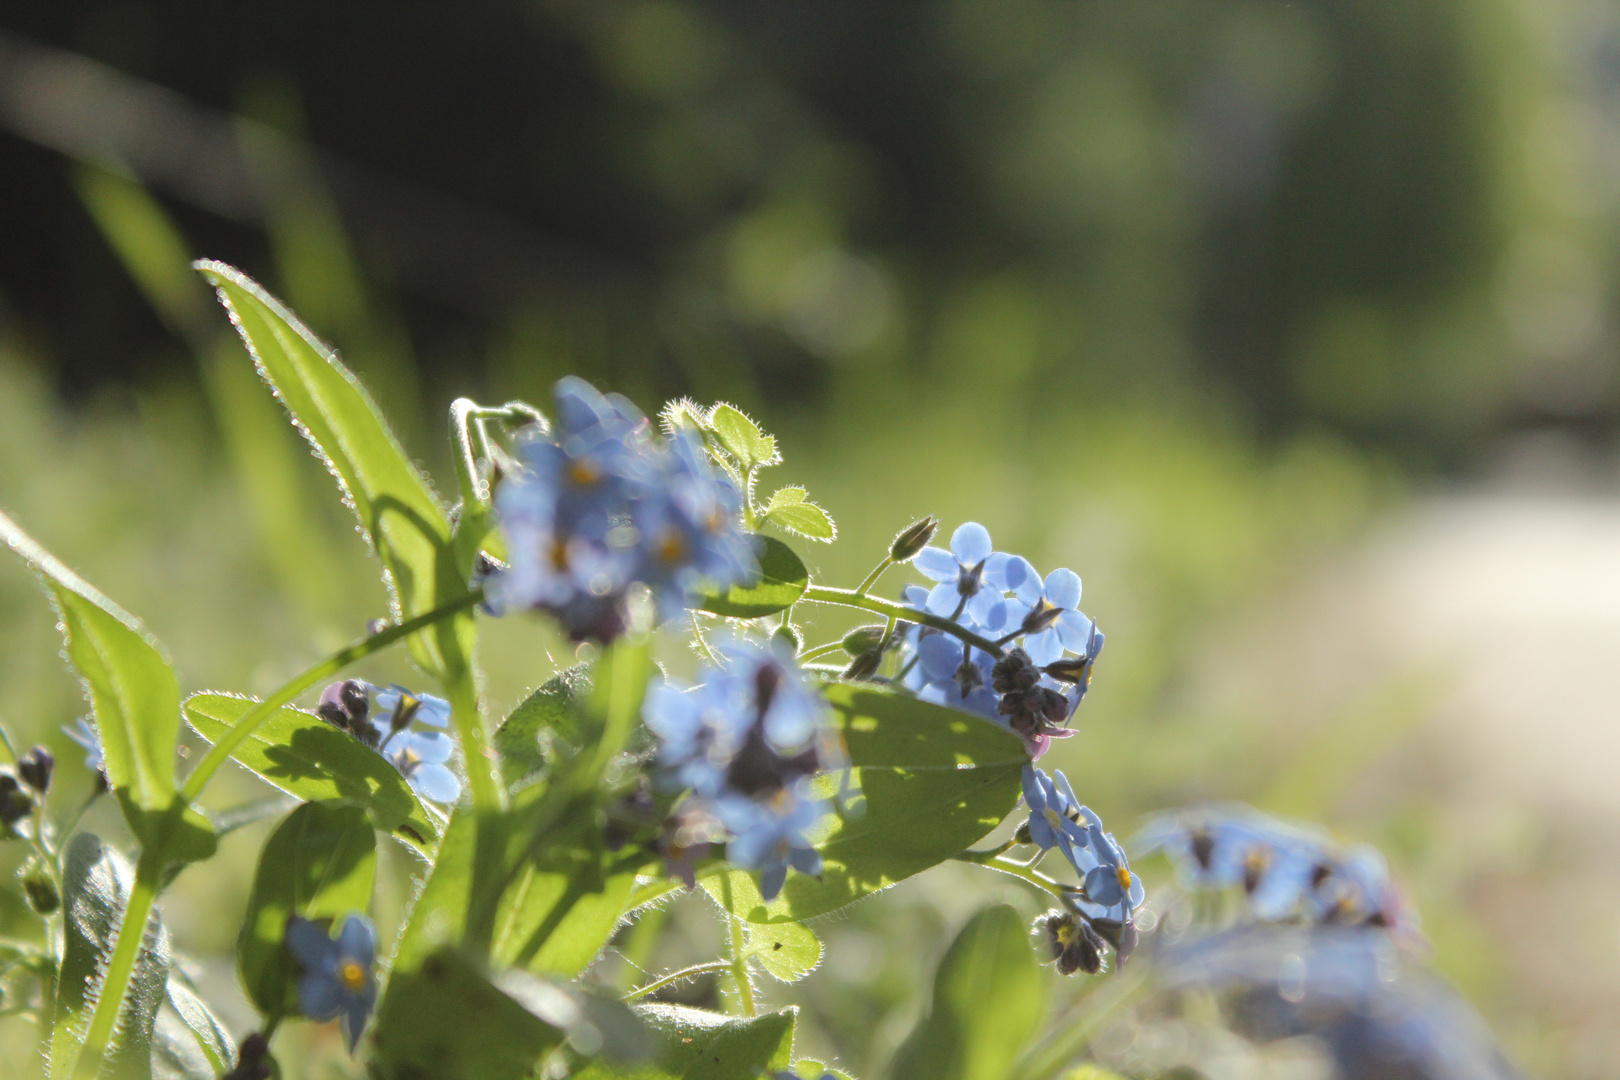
x=826 y=594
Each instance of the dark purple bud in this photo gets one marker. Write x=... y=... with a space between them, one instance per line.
x=1071 y=669
x=15 y=803
x=1014 y=673
x=864 y=666
x=253 y=1061
x=1073 y=945
x=1123 y=936
x=913 y=539
x=404 y=712
x=35 y=769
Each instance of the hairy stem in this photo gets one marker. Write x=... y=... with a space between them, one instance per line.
x=738 y=962
x=994 y=860
x=826 y=594
x=872 y=578
x=222 y=750
x=121 y=965
x=819 y=651
x=677 y=976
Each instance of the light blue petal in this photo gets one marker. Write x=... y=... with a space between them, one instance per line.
x=357 y=941
x=1063 y=589
x=1044 y=647
x=939 y=655
x=915 y=595
x=970 y=543
x=320 y=997
x=1102 y=886
x=937 y=564
x=310 y=944
x=436 y=783
x=771 y=880
x=431 y=747
x=943 y=598
x=1014 y=574
x=1061 y=782
x=1034 y=790
x=1074 y=630
x=983 y=605
x=805 y=860
x=356 y=1010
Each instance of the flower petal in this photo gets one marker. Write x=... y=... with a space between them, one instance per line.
x=936 y=564
x=939 y=655
x=943 y=598
x=430 y=747
x=1063 y=589
x=771 y=880
x=320 y=997
x=970 y=543
x=357 y=941
x=1074 y=630
x=435 y=783
x=309 y=943
x=1044 y=647
x=1014 y=574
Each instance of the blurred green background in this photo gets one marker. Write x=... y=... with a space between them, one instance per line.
x=1289 y=326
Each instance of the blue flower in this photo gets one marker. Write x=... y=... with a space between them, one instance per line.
x=84 y=733
x=337 y=981
x=948 y=672
x=1055 y=817
x=1056 y=610
x=960 y=573
x=420 y=756
x=1110 y=883
x=769 y=835
x=603 y=504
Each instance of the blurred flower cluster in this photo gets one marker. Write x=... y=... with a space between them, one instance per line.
x=1035 y=687
x=602 y=503
x=744 y=743
x=384 y=719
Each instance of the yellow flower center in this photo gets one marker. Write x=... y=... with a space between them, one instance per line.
x=584 y=472
x=1124 y=876
x=1065 y=934
x=1053 y=818
x=671 y=548
x=353 y=976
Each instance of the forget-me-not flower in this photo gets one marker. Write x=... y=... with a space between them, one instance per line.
x=960 y=573
x=420 y=756
x=337 y=980
x=1110 y=883
x=769 y=835
x=1056 y=818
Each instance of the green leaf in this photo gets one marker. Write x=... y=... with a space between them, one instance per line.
x=306 y=757
x=698 y=1045
x=545 y=725
x=399 y=513
x=136 y=699
x=96 y=886
x=811 y=1069
x=742 y=437
x=785 y=496
x=989 y=999
x=927 y=782
x=211 y=1036
x=444 y=1019
x=805 y=518
x=788 y=950
x=782 y=581
x=320 y=863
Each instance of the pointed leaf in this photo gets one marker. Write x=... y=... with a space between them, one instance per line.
x=927 y=782
x=210 y=1035
x=786 y=496
x=782 y=581
x=136 y=699
x=544 y=726
x=320 y=863
x=311 y=760
x=399 y=513
x=989 y=999
x=96 y=883
x=742 y=437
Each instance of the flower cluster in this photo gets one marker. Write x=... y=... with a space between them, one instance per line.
x=420 y=756
x=1287 y=872
x=745 y=743
x=1035 y=687
x=604 y=503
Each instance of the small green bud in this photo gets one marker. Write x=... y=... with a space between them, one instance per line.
x=913 y=539
x=863 y=638
x=788 y=634
x=864 y=666
x=41 y=890
x=1022 y=835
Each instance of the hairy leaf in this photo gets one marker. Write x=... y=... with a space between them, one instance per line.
x=96 y=882
x=320 y=863
x=398 y=511
x=208 y=1031
x=989 y=999
x=308 y=758
x=545 y=724
x=136 y=698
x=698 y=1045
x=781 y=583
x=742 y=437
x=788 y=950
x=805 y=518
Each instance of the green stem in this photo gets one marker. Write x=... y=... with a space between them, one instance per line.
x=826 y=594
x=684 y=973
x=872 y=578
x=703 y=646
x=474 y=492
x=993 y=860
x=819 y=651
x=121 y=966
x=738 y=962
x=222 y=750
x=488 y=794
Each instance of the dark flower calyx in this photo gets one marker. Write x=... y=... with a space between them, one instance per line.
x=1123 y=936
x=1073 y=945
x=15 y=803
x=1071 y=669
x=913 y=539
x=34 y=769
x=864 y=666
x=1040 y=618
x=346 y=705
x=1014 y=673
x=863 y=638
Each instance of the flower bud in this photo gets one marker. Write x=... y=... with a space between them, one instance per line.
x=34 y=769
x=1040 y=618
x=39 y=888
x=913 y=539
x=1070 y=669
x=1073 y=945
x=863 y=638
x=789 y=637
x=1123 y=936
x=864 y=666
x=253 y=1061
x=15 y=802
